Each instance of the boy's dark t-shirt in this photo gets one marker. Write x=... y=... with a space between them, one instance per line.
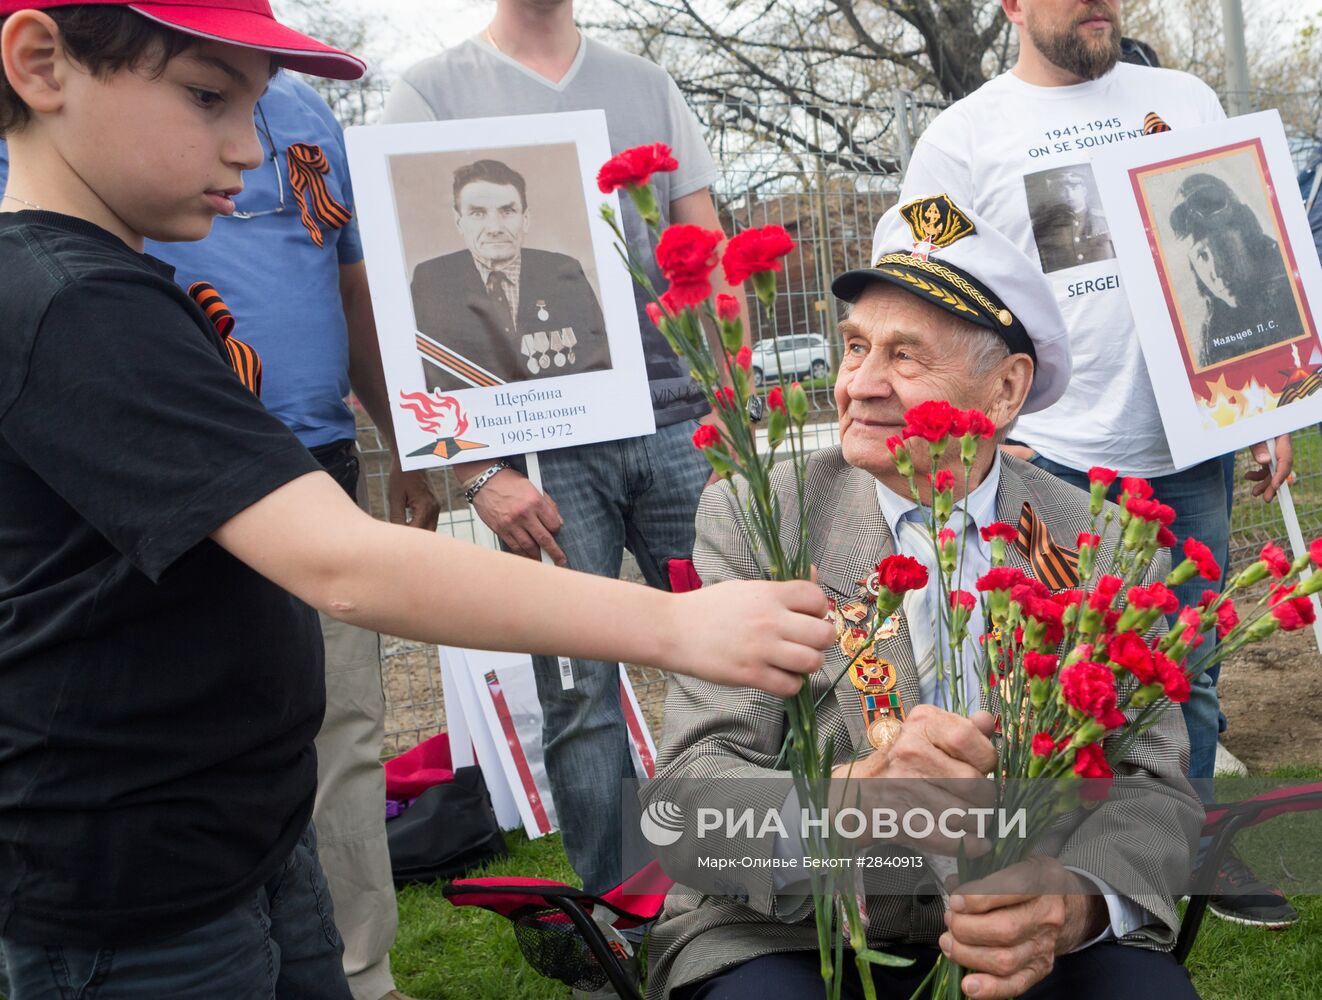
x=158 y=699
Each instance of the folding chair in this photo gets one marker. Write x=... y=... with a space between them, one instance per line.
x=566 y=933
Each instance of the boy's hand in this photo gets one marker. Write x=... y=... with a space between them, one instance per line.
x=751 y=634
x=1269 y=482
x=412 y=499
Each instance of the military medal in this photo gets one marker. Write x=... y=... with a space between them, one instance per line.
x=542 y=314
x=872 y=676
x=558 y=347
x=528 y=350
x=569 y=340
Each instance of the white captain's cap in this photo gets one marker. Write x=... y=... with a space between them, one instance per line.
x=953 y=259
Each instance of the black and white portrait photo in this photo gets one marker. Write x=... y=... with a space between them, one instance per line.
x=500 y=260
x=1065 y=209
x=1221 y=255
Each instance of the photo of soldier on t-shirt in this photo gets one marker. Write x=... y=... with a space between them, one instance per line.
x=1066 y=214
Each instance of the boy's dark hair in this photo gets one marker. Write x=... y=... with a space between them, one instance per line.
x=103 y=39
x=493 y=172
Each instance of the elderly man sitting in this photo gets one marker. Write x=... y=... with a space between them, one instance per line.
x=949 y=310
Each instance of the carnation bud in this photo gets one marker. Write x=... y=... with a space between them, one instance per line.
x=644 y=199
x=1182 y=573
x=1310 y=585
x=796 y=398
x=1253 y=573
x=903 y=460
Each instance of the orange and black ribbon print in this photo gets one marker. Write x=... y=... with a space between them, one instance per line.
x=243 y=357
x=307 y=176
x=1054 y=565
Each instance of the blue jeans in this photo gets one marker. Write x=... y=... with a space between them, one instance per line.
x=640 y=494
x=1198 y=495
x=279 y=944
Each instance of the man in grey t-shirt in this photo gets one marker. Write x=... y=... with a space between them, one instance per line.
x=640 y=493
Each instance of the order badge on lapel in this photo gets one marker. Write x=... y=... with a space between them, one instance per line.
x=872 y=676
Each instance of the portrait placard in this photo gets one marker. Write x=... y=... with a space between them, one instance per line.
x=506 y=319
x=1218 y=265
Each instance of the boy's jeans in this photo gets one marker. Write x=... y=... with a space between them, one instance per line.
x=1198 y=495
x=641 y=493
x=279 y=944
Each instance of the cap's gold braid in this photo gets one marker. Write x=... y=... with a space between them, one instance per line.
x=1002 y=315
x=936 y=292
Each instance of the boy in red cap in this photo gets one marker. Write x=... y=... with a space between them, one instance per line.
x=162 y=537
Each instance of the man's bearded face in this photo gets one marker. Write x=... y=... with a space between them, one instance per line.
x=1081 y=38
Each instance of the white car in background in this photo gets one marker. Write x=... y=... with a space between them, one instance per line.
x=803 y=355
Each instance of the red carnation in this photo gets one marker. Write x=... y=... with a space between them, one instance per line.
x=1315 y=551
x=1001 y=530
x=725 y=397
x=1132 y=653
x=1043 y=745
x=1150 y=510
x=1087 y=538
x=1090 y=764
x=1044 y=611
x=686 y=255
x=1089 y=687
x=1208 y=568
x=1000 y=578
x=973 y=422
x=1226 y=616
x=1165 y=537
x=894 y=443
x=635 y=167
x=962 y=599
x=1027 y=589
x=943 y=480
x=706 y=436
x=655 y=313
x=776 y=399
x=1290 y=612
x=744 y=358
x=1098 y=474
x=944 y=537
x=1104 y=593
x=1068 y=598
x=930 y=420
x=1040 y=665
x=1173 y=679
x=1155 y=595
x=727 y=308
x=900 y=574
x=1275 y=559
x=1139 y=489
x=755 y=250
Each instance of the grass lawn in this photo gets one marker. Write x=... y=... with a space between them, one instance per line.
x=447 y=953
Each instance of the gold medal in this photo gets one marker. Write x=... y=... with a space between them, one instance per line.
x=890 y=628
x=855 y=611
x=883 y=731
x=853 y=640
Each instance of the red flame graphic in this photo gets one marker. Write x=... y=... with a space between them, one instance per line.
x=439 y=415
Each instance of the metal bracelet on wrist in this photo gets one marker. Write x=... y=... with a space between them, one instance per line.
x=483 y=479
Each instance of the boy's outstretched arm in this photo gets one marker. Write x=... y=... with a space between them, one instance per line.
x=308 y=537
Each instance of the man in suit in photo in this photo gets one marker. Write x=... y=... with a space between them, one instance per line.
x=498 y=311
x=951 y=311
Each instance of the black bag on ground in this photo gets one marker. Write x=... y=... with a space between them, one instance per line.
x=449 y=830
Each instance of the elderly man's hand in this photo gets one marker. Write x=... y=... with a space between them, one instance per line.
x=939 y=762
x=1270 y=482
x=1009 y=940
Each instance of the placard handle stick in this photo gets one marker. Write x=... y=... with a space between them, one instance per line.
x=566 y=664
x=1296 y=536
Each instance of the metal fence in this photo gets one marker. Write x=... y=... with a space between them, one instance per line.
x=830 y=208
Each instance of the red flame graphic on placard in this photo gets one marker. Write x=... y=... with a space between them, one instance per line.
x=439 y=415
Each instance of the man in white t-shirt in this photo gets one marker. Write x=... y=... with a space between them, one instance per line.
x=1017 y=152
x=641 y=493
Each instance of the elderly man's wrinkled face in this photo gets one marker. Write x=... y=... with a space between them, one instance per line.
x=493 y=220
x=898 y=352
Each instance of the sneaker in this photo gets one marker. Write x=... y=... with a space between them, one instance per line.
x=1228 y=765
x=1242 y=898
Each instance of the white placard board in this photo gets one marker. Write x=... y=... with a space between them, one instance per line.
x=1222 y=277
x=495 y=720
x=506 y=319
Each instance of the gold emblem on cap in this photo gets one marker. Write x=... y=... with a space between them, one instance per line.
x=1005 y=317
x=936 y=221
